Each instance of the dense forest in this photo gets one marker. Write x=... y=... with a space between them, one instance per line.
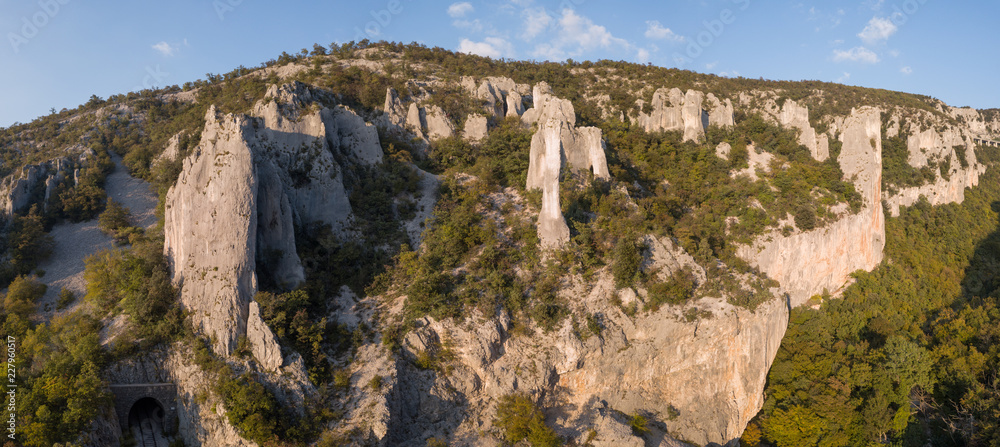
x=908 y=355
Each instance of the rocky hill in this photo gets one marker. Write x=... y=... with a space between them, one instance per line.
x=395 y=245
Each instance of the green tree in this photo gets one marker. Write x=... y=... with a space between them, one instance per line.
x=21 y=296
x=28 y=244
x=114 y=218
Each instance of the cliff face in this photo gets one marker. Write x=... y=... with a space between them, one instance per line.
x=211 y=227
x=703 y=377
x=711 y=372
x=240 y=196
x=810 y=262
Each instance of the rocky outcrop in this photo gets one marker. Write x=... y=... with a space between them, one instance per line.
x=515 y=104
x=666 y=113
x=475 y=128
x=810 y=262
x=712 y=373
x=210 y=230
x=796 y=116
x=691 y=115
x=675 y=110
x=547 y=107
x=240 y=196
x=723 y=149
x=501 y=96
x=437 y=123
x=720 y=113
x=37 y=183
x=171 y=152
x=426 y=122
x=395 y=113
x=556 y=144
x=263 y=345
x=493 y=101
x=702 y=379
x=942 y=191
x=931 y=145
x=941 y=147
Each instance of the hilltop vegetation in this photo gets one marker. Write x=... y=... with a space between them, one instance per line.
x=919 y=330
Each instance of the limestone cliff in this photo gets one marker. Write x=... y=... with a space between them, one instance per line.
x=808 y=263
x=703 y=378
x=242 y=192
x=210 y=230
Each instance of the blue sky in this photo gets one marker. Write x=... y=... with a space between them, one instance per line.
x=56 y=53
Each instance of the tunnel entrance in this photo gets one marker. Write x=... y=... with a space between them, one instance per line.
x=146 y=422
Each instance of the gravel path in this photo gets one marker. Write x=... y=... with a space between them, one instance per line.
x=76 y=241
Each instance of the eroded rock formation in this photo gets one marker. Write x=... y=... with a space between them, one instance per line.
x=37 y=183
x=944 y=147
x=556 y=144
x=675 y=110
x=810 y=262
x=546 y=153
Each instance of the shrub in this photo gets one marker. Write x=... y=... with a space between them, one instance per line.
x=677 y=289
x=519 y=419
x=626 y=262
x=135 y=281
x=66 y=297
x=250 y=407
x=27 y=245
x=639 y=424
x=375 y=383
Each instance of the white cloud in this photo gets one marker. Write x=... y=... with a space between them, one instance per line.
x=474 y=26
x=656 y=31
x=730 y=74
x=492 y=47
x=906 y=70
x=844 y=78
x=856 y=54
x=165 y=49
x=642 y=55
x=878 y=30
x=536 y=20
x=576 y=35
x=460 y=9
x=711 y=65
